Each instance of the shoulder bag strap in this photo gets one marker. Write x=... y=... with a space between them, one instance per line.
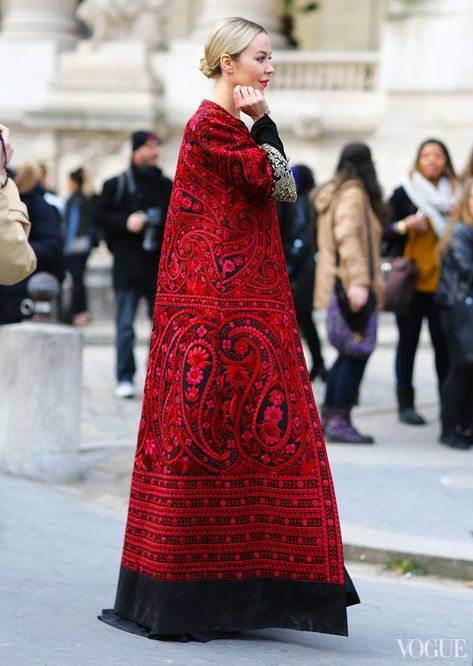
x=125 y=179
x=370 y=245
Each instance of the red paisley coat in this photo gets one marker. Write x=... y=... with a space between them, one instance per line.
x=231 y=477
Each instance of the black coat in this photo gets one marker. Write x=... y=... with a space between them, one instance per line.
x=457 y=265
x=133 y=267
x=297 y=222
x=400 y=207
x=46 y=240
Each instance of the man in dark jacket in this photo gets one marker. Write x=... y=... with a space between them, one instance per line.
x=132 y=211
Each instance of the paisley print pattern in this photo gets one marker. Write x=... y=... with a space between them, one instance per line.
x=231 y=476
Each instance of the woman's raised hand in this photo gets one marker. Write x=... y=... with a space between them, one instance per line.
x=357 y=297
x=416 y=222
x=250 y=101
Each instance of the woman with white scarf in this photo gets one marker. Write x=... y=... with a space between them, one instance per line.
x=420 y=208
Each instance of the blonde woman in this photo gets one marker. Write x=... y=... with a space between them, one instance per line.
x=457 y=270
x=232 y=522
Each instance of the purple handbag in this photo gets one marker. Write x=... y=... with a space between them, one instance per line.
x=353 y=335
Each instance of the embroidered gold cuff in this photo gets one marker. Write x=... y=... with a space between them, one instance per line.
x=284 y=186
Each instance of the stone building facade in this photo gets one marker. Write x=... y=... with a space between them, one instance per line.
x=389 y=72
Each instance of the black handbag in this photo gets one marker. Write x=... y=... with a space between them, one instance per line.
x=399 y=276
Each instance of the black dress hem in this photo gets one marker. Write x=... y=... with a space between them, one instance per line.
x=206 y=610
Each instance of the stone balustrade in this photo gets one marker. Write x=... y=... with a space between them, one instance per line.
x=325 y=71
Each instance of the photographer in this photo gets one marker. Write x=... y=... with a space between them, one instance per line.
x=132 y=211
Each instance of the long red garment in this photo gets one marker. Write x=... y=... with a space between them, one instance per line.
x=231 y=477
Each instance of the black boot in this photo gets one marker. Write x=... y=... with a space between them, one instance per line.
x=407 y=413
x=454 y=440
x=467 y=434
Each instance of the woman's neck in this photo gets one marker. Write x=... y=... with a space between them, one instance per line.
x=223 y=96
x=433 y=181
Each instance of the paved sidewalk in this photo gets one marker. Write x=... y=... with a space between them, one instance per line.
x=405 y=497
x=59 y=567
x=61 y=546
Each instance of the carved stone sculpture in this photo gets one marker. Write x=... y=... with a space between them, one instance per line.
x=124 y=19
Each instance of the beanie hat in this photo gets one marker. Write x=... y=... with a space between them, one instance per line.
x=140 y=137
x=304 y=177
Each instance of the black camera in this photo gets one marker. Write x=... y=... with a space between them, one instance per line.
x=153 y=218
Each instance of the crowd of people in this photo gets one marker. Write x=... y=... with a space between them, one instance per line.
x=335 y=238
x=427 y=219
x=128 y=215
x=338 y=230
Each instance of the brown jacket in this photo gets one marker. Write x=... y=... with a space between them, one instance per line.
x=17 y=259
x=342 y=220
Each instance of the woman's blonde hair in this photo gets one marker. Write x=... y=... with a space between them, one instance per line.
x=27 y=177
x=229 y=36
x=468 y=170
x=462 y=214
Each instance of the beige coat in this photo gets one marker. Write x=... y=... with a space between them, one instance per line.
x=17 y=259
x=341 y=220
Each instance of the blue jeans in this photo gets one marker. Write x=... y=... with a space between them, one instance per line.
x=126 y=301
x=343 y=382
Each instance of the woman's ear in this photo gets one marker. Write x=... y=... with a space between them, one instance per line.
x=226 y=64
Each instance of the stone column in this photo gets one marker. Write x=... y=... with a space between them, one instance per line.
x=264 y=12
x=41 y=20
x=427 y=46
x=40 y=385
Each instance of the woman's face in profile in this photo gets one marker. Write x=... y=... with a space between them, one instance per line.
x=253 y=67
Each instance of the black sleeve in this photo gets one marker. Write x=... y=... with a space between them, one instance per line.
x=167 y=195
x=265 y=131
x=400 y=206
x=110 y=217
